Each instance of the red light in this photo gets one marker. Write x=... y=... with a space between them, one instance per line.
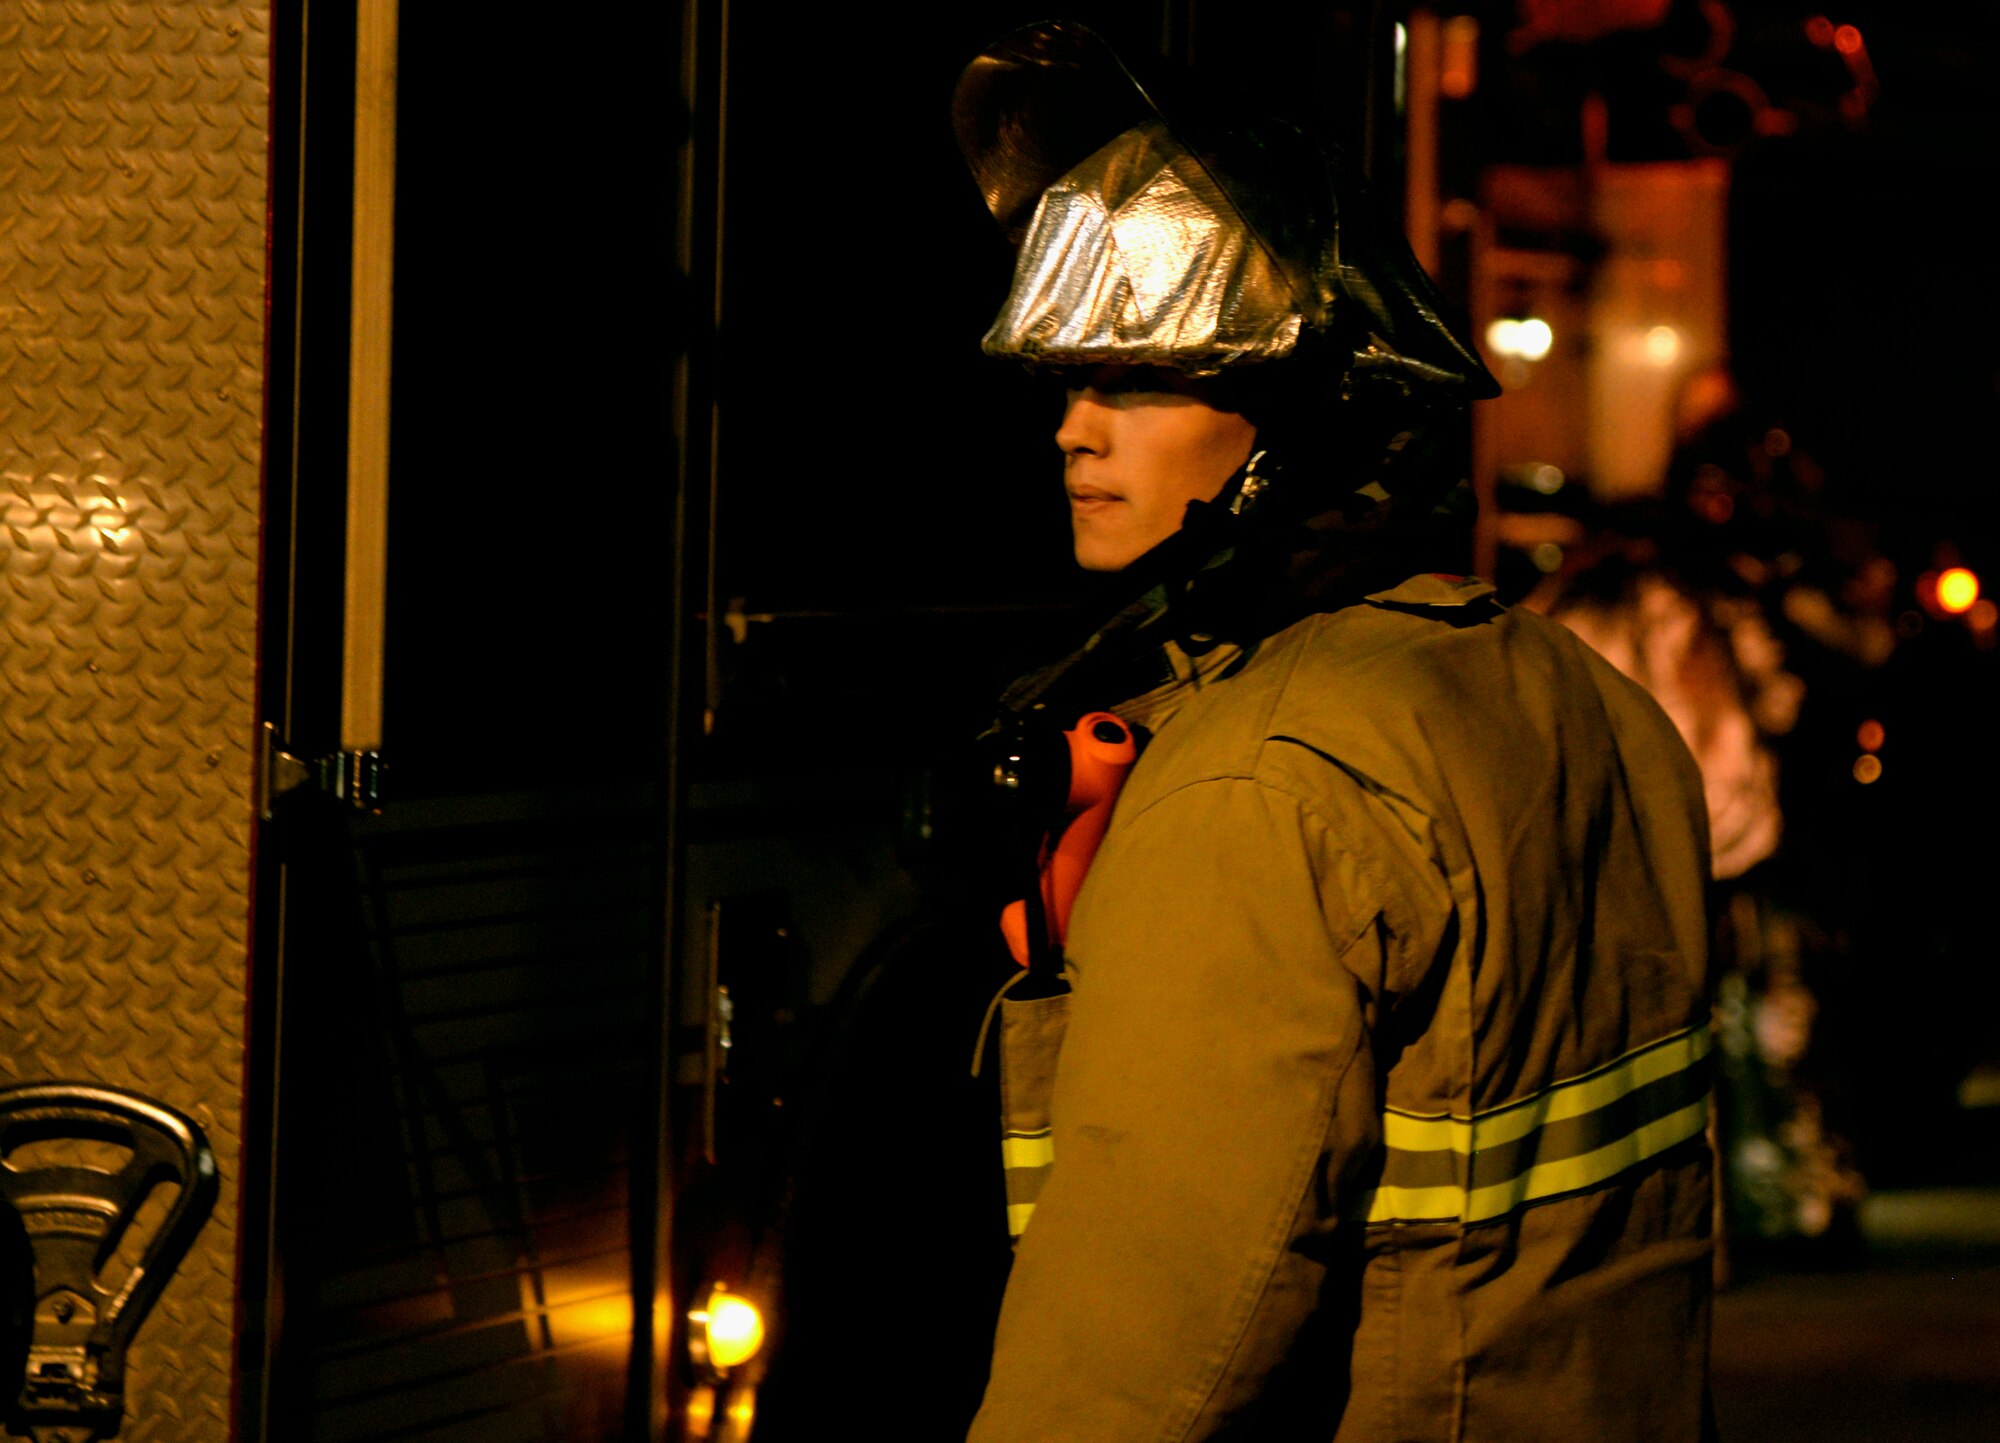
x=1871 y=734
x=1847 y=40
x=1819 y=30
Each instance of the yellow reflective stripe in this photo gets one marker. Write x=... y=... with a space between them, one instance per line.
x=1468 y=1139
x=1544 y=1180
x=1426 y=1134
x=1515 y=1120
x=1415 y=1204
x=1035 y=1149
x=1017 y=1217
x=1572 y=1174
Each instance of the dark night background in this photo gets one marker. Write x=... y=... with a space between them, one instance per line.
x=875 y=460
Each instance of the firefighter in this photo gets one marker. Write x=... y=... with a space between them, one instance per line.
x=1375 y=1105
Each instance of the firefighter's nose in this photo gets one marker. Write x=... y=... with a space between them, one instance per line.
x=1084 y=430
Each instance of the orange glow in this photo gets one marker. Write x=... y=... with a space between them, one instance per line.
x=1984 y=616
x=592 y=1318
x=1867 y=769
x=1459 y=75
x=1847 y=40
x=1819 y=30
x=1871 y=735
x=1957 y=590
x=700 y=1412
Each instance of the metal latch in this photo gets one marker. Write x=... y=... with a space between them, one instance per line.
x=71 y=1312
x=354 y=777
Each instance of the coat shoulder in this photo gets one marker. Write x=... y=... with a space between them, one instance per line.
x=1402 y=692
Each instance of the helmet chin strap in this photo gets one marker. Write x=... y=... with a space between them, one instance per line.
x=1248 y=484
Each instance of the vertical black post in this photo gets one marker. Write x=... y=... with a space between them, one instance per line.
x=697 y=191
x=312 y=109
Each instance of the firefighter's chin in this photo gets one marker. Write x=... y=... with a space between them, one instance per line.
x=1108 y=532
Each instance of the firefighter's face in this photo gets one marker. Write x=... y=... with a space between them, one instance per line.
x=1138 y=444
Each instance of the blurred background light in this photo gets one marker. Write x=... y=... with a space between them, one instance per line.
x=1523 y=339
x=1957 y=590
x=1459 y=73
x=698 y=1416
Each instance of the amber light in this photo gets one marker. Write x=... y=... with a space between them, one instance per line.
x=726 y=1330
x=1957 y=590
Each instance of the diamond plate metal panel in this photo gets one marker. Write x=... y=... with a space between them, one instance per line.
x=132 y=208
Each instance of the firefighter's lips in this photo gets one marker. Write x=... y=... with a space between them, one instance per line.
x=1089 y=500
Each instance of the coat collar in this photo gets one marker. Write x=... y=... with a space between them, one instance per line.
x=1432 y=589
x=1190 y=675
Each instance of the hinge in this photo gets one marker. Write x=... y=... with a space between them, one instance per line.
x=354 y=777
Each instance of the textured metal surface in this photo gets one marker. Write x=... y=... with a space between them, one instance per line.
x=132 y=154
x=1137 y=256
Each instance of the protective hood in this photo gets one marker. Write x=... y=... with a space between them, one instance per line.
x=1145 y=241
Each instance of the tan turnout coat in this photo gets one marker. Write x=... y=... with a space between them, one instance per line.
x=1379 y=1107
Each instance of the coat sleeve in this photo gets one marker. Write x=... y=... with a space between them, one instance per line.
x=1215 y=1106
